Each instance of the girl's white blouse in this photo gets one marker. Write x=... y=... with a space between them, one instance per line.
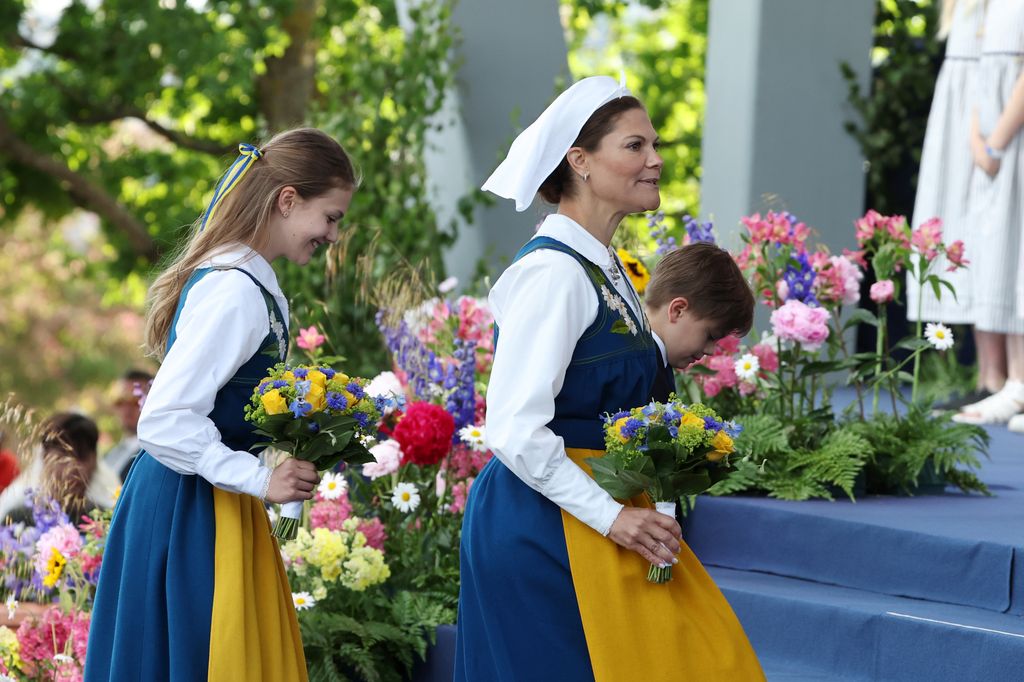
x=542 y=304
x=222 y=324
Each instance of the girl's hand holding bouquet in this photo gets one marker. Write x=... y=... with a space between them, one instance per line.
x=319 y=416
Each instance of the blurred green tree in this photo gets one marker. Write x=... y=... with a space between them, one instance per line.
x=133 y=110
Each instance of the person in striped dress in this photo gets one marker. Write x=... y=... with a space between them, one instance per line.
x=942 y=190
x=997 y=201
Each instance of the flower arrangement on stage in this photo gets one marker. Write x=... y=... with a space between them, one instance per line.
x=781 y=385
x=666 y=452
x=49 y=572
x=317 y=414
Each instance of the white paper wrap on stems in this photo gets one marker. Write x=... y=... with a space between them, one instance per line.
x=293 y=510
x=669 y=510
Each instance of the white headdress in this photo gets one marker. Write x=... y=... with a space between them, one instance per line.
x=541 y=147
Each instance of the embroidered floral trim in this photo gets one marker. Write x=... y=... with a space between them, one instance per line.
x=616 y=303
x=278 y=329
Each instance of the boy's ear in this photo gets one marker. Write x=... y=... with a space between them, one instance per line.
x=676 y=307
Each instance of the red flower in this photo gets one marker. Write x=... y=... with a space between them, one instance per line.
x=425 y=433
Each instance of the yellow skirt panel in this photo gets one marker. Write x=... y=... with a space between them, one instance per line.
x=636 y=630
x=254 y=634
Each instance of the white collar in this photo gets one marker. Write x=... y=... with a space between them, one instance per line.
x=250 y=260
x=575 y=236
x=661 y=348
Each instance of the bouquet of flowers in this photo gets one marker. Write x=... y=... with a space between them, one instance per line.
x=665 y=451
x=315 y=414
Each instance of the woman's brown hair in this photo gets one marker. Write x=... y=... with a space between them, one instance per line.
x=305 y=158
x=560 y=183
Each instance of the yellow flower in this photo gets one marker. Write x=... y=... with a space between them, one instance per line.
x=617 y=429
x=722 y=445
x=274 y=402
x=54 y=567
x=636 y=270
x=690 y=419
x=289 y=377
x=317 y=397
x=317 y=378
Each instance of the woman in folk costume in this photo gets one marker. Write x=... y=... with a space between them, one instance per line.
x=192 y=585
x=553 y=569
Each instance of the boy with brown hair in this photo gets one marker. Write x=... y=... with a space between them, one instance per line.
x=696 y=296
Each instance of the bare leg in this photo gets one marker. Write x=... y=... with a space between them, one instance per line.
x=1015 y=357
x=992 y=359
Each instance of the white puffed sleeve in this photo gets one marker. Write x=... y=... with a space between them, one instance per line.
x=222 y=324
x=542 y=305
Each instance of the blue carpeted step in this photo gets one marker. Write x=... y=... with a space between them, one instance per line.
x=912 y=547
x=848 y=634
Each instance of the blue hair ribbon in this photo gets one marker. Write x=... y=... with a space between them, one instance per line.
x=247 y=155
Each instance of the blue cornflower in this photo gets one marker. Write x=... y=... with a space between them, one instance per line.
x=362 y=419
x=712 y=424
x=300 y=373
x=302 y=387
x=327 y=372
x=356 y=390
x=336 y=401
x=280 y=383
x=300 y=408
x=672 y=414
x=631 y=426
x=264 y=387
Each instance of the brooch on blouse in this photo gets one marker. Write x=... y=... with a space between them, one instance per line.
x=278 y=329
x=625 y=324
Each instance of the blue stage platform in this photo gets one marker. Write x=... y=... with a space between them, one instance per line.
x=887 y=588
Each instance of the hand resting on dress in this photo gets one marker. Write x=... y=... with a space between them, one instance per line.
x=292 y=480
x=649 y=533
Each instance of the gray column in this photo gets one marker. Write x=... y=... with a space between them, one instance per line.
x=511 y=57
x=776 y=103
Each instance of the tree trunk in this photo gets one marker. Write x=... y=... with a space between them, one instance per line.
x=286 y=88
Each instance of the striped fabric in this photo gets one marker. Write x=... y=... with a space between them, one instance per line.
x=997 y=208
x=946 y=166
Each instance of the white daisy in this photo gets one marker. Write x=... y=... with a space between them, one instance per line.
x=12 y=607
x=747 y=367
x=303 y=601
x=939 y=335
x=473 y=436
x=405 y=497
x=332 y=486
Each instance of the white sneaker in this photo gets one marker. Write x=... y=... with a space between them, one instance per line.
x=998 y=408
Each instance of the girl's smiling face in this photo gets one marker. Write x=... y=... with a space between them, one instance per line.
x=299 y=226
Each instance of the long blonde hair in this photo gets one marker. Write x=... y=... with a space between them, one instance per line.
x=305 y=158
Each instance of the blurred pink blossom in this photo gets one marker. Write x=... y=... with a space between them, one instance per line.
x=388 y=456
x=310 y=339
x=882 y=292
x=955 y=256
x=799 y=322
x=927 y=238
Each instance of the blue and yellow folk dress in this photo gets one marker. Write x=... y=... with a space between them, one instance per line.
x=192 y=585
x=546 y=597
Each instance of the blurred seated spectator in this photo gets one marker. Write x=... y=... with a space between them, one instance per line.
x=132 y=389
x=68 y=470
x=8 y=465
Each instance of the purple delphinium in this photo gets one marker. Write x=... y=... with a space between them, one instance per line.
x=799 y=279
x=421 y=366
x=659 y=233
x=698 y=232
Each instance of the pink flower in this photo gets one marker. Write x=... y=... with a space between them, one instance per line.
x=440 y=482
x=782 y=289
x=799 y=322
x=747 y=388
x=838 y=280
x=728 y=344
x=464 y=461
x=766 y=356
x=310 y=338
x=882 y=292
x=955 y=256
x=460 y=493
x=375 y=533
x=330 y=514
x=41 y=639
x=388 y=456
x=927 y=238
x=64 y=538
x=711 y=387
x=725 y=367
